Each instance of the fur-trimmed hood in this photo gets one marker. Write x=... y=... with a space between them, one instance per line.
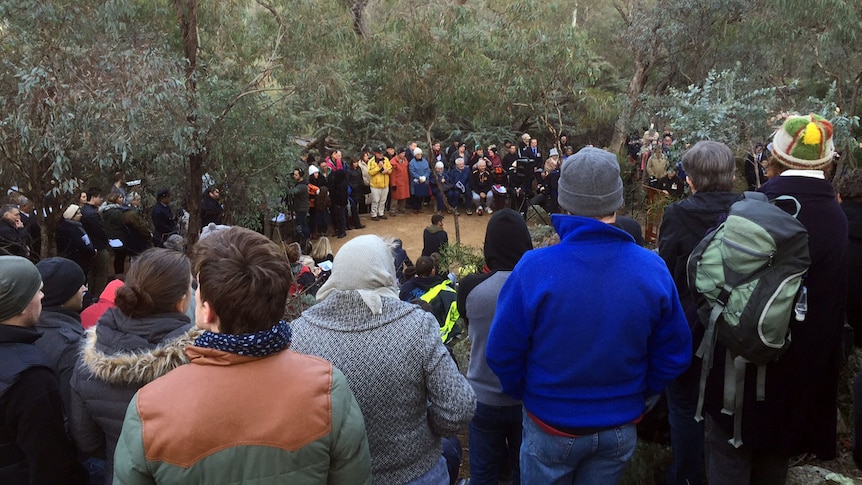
x=136 y=366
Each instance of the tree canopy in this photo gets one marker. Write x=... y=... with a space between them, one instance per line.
x=177 y=93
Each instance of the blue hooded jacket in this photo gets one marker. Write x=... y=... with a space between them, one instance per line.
x=587 y=329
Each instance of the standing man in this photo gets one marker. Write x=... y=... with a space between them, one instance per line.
x=709 y=168
x=35 y=448
x=60 y=320
x=164 y=222
x=281 y=417
x=299 y=192
x=755 y=167
x=583 y=359
x=103 y=262
x=211 y=209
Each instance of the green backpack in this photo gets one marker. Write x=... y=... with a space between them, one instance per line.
x=747 y=277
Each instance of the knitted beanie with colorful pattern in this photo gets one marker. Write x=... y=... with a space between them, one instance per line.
x=804 y=142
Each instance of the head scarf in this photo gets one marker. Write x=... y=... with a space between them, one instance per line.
x=365 y=264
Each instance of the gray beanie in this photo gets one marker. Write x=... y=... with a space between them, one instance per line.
x=590 y=183
x=19 y=281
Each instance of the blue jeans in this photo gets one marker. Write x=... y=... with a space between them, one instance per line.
x=595 y=458
x=437 y=475
x=686 y=434
x=495 y=441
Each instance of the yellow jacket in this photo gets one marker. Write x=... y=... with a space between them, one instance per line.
x=379 y=180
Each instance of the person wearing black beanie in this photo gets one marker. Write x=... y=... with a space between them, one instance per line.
x=60 y=320
x=495 y=431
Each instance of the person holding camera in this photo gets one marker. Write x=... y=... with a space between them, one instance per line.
x=379 y=169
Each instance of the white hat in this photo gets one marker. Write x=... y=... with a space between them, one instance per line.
x=70 y=211
x=313 y=169
x=554 y=152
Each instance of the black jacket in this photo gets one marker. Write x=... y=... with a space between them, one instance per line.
x=13 y=240
x=119 y=356
x=211 y=211
x=853 y=211
x=433 y=239
x=61 y=333
x=683 y=226
x=164 y=223
x=34 y=447
x=798 y=415
x=74 y=243
x=337 y=183
x=92 y=223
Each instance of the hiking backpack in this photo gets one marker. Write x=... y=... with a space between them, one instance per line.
x=747 y=277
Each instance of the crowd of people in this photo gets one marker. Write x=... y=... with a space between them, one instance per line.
x=328 y=196
x=185 y=371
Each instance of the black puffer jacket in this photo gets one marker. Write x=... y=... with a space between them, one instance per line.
x=61 y=333
x=119 y=356
x=34 y=447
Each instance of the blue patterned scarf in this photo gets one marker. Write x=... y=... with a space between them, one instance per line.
x=257 y=344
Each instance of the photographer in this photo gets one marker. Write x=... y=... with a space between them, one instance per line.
x=379 y=168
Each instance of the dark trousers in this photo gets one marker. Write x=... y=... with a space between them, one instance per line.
x=726 y=465
x=495 y=444
x=302 y=226
x=120 y=260
x=339 y=216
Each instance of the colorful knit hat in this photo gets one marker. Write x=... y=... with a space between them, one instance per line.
x=804 y=142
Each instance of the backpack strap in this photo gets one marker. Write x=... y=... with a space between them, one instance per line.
x=706 y=350
x=761 y=383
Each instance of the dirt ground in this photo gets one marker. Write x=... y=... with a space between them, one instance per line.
x=409 y=229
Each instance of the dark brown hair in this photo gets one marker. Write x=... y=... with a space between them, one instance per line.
x=156 y=282
x=244 y=277
x=850 y=185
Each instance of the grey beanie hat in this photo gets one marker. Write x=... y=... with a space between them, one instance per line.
x=19 y=281
x=590 y=183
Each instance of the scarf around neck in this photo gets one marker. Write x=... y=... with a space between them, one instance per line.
x=256 y=344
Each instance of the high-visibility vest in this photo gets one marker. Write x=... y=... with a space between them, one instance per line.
x=443 y=299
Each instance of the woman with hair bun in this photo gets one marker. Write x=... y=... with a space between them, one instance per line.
x=140 y=340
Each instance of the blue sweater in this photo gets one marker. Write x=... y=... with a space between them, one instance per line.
x=587 y=329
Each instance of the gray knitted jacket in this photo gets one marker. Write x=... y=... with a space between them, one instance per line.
x=408 y=387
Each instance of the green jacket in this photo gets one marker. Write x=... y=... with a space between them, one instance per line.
x=226 y=418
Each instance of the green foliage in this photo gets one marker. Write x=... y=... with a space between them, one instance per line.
x=89 y=87
x=725 y=107
x=462 y=259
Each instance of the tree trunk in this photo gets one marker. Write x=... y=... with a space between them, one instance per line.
x=636 y=88
x=188 y=20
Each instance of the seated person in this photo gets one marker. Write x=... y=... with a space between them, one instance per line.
x=459 y=193
x=426 y=277
x=434 y=237
x=547 y=187
x=480 y=183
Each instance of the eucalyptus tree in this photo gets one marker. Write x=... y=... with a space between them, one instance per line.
x=76 y=93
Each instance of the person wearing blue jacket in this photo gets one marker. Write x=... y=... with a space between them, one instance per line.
x=420 y=176
x=586 y=333
x=459 y=193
